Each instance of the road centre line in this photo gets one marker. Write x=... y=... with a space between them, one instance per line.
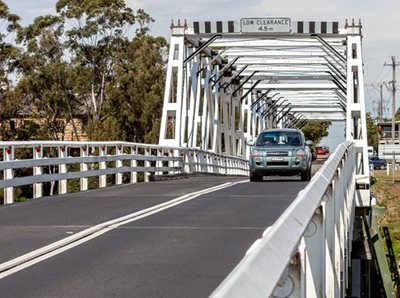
x=48 y=251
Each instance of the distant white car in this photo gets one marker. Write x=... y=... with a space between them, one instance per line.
x=371 y=151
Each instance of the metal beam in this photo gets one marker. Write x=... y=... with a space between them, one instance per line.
x=201 y=48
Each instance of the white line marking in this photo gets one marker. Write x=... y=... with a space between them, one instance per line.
x=60 y=246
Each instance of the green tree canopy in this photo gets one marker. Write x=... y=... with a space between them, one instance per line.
x=9 y=54
x=372 y=132
x=96 y=30
x=315 y=130
x=83 y=62
x=140 y=83
x=47 y=82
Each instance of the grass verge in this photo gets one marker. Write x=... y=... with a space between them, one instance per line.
x=388 y=196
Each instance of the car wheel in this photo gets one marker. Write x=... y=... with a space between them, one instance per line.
x=382 y=167
x=306 y=175
x=255 y=177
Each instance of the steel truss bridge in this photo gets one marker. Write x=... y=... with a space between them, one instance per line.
x=224 y=86
x=226 y=82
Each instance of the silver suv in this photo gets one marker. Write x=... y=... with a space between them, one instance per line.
x=280 y=152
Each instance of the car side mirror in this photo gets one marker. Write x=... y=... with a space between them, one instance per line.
x=250 y=142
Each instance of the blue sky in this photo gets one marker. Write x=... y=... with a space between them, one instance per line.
x=379 y=19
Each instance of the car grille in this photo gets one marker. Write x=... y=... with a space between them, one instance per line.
x=278 y=153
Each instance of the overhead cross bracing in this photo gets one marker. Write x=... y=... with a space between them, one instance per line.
x=297 y=63
x=306 y=68
x=228 y=81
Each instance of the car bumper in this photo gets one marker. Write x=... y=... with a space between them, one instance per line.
x=278 y=166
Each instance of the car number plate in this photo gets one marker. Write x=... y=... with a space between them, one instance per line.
x=277 y=158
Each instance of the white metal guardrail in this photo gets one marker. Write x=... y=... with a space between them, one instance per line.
x=37 y=162
x=306 y=253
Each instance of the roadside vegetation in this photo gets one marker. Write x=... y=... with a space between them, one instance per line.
x=387 y=189
x=388 y=196
x=92 y=60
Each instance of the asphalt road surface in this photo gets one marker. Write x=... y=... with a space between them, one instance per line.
x=182 y=250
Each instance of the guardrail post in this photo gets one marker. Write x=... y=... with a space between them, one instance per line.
x=84 y=185
x=208 y=163
x=200 y=159
x=171 y=164
x=290 y=282
x=37 y=171
x=103 y=166
x=196 y=158
x=159 y=163
x=134 y=164
x=185 y=161
x=202 y=162
x=147 y=164
x=119 y=150
x=62 y=169
x=9 y=195
x=231 y=166
x=314 y=256
x=225 y=165
x=332 y=282
x=190 y=161
x=243 y=168
x=214 y=163
x=180 y=162
x=188 y=156
x=217 y=165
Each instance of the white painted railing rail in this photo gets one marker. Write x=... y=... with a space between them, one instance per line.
x=49 y=161
x=306 y=253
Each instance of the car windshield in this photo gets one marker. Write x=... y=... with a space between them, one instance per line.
x=273 y=138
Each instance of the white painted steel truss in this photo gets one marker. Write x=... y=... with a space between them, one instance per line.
x=224 y=88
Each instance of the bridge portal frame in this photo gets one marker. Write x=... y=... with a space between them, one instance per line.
x=224 y=88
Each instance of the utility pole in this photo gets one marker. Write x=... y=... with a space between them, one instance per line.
x=381 y=104
x=393 y=64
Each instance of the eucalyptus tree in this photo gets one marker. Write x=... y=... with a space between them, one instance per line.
x=316 y=130
x=9 y=25
x=120 y=80
x=47 y=82
x=95 y=30
x=139 y=81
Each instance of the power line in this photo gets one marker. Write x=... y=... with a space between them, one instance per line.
x=383 y=68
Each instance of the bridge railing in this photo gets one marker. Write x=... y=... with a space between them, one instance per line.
x=100 y=164
x=306 y=253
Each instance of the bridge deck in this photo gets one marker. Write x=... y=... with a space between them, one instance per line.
x=183 y=251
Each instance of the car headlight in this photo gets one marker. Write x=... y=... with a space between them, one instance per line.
x=300 y=153
x=256 y=153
